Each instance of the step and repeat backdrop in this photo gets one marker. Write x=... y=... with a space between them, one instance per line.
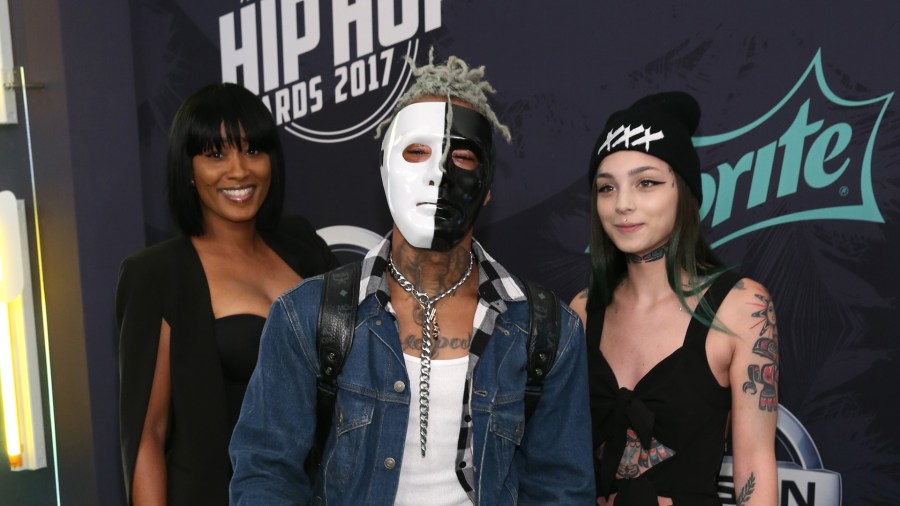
x=799 y=141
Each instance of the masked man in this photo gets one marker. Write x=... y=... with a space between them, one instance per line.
x=430 y=405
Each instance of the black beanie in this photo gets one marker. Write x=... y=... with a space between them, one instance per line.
x=660 y=125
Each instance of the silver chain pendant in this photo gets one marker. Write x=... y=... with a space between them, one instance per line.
x=430 y=334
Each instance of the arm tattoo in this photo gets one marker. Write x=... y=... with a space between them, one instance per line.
x=767 y=347
x=746 y=491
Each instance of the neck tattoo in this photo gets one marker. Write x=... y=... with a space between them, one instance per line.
x=430 y=335
x=653 y=256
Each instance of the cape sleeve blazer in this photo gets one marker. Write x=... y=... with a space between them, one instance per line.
x=166 y=281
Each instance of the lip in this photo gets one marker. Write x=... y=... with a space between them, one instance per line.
x=238 y=194
x=628 y=228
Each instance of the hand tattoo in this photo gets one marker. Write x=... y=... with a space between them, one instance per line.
x=766 y=346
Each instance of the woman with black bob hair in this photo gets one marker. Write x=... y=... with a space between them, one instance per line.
x=190 y=310
x=682 y=352
x=198 y=126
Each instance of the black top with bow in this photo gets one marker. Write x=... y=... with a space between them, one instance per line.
x=677 y=411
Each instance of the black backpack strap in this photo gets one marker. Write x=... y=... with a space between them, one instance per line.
x=543 y=340
x=334 y=336
x=337 y=319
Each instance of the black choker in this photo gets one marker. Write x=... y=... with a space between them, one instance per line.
x=653 y=256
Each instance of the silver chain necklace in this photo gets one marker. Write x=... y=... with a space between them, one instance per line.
x=430 y=334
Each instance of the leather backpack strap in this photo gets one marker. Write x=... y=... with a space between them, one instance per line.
x=334 y=336
x=543 y=341
x=337 y=319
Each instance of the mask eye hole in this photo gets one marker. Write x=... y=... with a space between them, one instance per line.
x=416 y=153
x=465 y=159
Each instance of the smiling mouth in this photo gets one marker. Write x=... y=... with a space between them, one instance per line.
x=238 y=194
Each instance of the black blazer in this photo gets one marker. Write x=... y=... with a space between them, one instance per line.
x=167 y=281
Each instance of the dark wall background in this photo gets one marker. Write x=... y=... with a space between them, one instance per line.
x=116 y=71
x=87 y=174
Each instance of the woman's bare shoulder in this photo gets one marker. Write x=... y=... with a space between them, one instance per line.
x=748 y=314
x=745 y=298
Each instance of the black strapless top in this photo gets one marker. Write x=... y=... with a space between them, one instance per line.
x=678 y=407
x=237 y=337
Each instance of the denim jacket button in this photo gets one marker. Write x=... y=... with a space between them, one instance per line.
x=399 y=386
x=389 y=463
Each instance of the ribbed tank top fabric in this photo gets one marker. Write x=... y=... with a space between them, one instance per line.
x=434 y=476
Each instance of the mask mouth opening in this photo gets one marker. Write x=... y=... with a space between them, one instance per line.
x=447 y=212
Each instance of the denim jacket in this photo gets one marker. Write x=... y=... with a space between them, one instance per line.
x=547 y=461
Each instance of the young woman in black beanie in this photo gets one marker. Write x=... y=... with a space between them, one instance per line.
x=682 y=353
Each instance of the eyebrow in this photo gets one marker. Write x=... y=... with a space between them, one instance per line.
x=631 y=173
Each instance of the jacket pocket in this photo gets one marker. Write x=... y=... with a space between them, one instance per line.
x=352 y=418
x=508 y=420
x=505 y=430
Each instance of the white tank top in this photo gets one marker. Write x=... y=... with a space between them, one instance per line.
x=432 y=480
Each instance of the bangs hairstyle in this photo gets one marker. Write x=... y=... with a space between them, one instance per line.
x=197 y=128
x=688 y=251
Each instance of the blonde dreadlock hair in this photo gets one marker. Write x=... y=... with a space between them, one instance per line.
x=453 y=79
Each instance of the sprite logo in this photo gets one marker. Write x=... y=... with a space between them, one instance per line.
x=814 y=162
